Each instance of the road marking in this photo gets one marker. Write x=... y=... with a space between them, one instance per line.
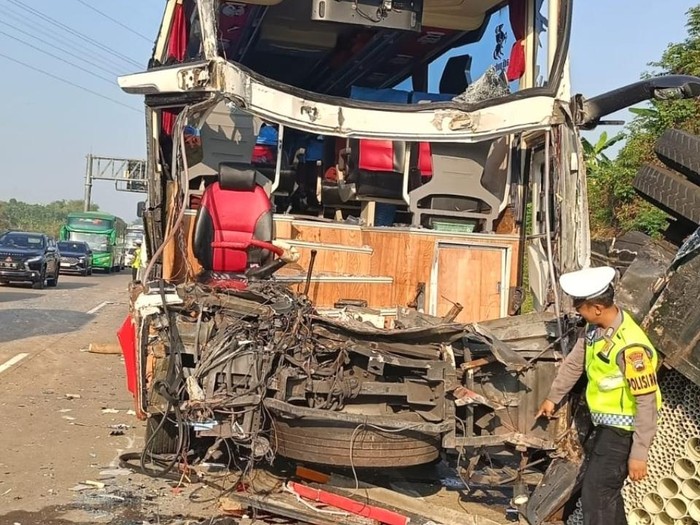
x=98 y=307
x=11 y=362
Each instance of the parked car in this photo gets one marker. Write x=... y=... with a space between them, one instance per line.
x=76 y=257
x=29 y=257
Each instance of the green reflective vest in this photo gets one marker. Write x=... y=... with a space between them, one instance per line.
x=610 y=393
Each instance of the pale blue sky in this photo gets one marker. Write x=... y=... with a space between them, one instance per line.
x=49 y=126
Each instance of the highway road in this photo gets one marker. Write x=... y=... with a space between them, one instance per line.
x=61 y=409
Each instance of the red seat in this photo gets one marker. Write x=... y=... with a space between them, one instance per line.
x=233 y=228
x=425 y=160
x=377 y=155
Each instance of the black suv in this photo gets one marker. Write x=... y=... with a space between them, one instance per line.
x=76 y=256
x=29 y=257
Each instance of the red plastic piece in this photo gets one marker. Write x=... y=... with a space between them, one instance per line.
x=127 y=340
x=349 y=505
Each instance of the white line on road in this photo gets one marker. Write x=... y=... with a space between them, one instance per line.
x=11 y=362
x=98 y=307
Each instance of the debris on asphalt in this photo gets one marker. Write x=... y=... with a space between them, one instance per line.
x=73 y=396
x=110 y=411
x=94 y=484
x=114 y=472
x=107 y=348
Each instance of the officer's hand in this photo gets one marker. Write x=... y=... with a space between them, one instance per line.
x=637 y=469
x=546 y=409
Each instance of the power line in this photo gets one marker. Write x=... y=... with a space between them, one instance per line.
x=70 y=83
x=64 y=39
x=110 y=81
x=149 y=40
x=53 y=44
x=75 y=32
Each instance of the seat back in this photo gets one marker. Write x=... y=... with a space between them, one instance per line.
x=234 y=212
x=456 y=76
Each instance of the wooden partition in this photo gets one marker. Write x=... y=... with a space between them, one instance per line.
x=384 y=267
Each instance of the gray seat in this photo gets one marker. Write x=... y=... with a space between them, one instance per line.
x=469 y=181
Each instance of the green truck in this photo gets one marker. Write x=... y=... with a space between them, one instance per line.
x=103 y=232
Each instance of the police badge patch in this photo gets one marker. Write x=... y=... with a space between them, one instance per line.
x=639 y=370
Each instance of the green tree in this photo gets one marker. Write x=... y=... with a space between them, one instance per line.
x=615 y=206
x=45 y=218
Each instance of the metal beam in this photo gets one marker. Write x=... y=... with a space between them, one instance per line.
x=129 y=173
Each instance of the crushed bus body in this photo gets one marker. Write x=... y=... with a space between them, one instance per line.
x=340 y=247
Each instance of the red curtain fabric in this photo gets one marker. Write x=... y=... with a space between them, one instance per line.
x=167 y=120
x=177 y=40
x=518 y=22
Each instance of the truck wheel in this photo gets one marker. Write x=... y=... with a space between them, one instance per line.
x=161 y=440
x=53 y=281
x=41 y=283
x=680 y=151
x=669 y=191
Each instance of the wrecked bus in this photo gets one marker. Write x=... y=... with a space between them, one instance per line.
x=351 y=205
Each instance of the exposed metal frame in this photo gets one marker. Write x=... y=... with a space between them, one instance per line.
x=320 y=114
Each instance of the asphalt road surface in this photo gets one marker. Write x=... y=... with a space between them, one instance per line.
x=64 y=412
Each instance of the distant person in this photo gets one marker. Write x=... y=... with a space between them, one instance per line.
x=136 y=264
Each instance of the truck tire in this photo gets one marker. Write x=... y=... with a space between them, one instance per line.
x=670 y=191
x=161 y=440
x=680 y=151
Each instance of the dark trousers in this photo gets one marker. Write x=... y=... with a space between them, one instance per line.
x=134 y=273
x=601 y=496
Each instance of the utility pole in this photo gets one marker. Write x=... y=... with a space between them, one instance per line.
x=88 y=183
x=128 y=175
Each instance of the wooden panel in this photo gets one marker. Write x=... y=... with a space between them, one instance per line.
x=331 y=234
x=283 y=228
x=470 y=276
x=336 y=261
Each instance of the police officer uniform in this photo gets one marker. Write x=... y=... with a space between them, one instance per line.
x=136 y=263
x=622 y=394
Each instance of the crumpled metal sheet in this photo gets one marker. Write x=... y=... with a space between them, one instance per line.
x=501 y=351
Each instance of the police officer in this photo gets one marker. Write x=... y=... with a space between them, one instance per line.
x=136 y=264
x=622 y=393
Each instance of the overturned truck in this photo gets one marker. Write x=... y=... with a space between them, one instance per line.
x=341 y=248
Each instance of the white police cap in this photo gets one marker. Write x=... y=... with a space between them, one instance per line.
x=587 y=283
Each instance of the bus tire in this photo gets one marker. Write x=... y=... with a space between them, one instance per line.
x=680 y=151
x=161 y=439
x=669 y=191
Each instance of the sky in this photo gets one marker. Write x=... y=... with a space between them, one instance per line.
x=50 y=126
